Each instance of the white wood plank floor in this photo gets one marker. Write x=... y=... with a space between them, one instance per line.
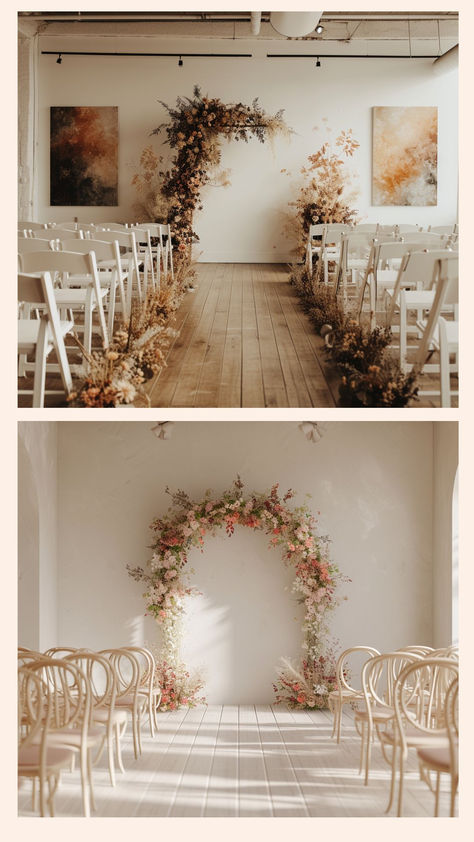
x=236 y=761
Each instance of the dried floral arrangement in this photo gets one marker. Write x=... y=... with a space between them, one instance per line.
x=117 y=375
x=326 y=194
x=308 y=685
x=293 y=530
x=195 y=129
x=370 y=377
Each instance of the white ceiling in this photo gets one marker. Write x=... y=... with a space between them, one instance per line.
x=387 y=33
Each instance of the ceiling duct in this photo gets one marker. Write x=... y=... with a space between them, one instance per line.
x=295 y=24
x=255 y=20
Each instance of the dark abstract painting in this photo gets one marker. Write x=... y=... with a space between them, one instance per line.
x=84 y=155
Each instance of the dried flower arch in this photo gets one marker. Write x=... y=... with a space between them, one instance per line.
x=195 y=130
x=186 y=524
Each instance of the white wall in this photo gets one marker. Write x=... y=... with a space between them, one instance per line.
x=372 y=483
x=244 y=221
x=445 y=466
x=37 y=522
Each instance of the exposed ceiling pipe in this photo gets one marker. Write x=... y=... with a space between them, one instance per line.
x=448 y=61
x=255 y=20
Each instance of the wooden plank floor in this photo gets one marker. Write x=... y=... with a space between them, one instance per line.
x=244 y=342
x=244 y=761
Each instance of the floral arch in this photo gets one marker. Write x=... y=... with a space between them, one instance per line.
x=292 y=530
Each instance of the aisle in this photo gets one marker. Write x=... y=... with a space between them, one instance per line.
x=244 y=341
x=245 y=760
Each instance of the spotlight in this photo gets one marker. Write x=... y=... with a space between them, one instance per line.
x=319 y=29
x=180 y=62
x=318 y=63
x=59 y=59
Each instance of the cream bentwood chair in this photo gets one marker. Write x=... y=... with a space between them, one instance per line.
x=440 y=760
x=421 y=694
x=129 y=674
x=147 y=686
x=346 y=692
x=377 y=713
x=64 y=729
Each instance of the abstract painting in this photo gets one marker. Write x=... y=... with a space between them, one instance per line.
x=405 y=155
x=84 y=155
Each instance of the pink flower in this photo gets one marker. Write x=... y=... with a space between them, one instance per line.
x=170 y=574
x=291 y=547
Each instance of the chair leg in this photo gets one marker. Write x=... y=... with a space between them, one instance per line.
x=400 y=785
x=110 y=756
x=454 y=786
x=368 y=748
x=40 y=364
x=85 y=784
x=339 y=721
x=393 y=778
x=403 y=333
x=118 y=747
x=438 y=777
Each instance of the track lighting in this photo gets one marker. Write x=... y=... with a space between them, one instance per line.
x=318 y=63
x=59 y=59
x=319 y=29
x=312 y=430
x=180 y=62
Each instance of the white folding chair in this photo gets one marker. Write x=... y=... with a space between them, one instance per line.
x=86 y=301
x=41 y=336
x=443 y=338
x=129 y=265
x=108 y=266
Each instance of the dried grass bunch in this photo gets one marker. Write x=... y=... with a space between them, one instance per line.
x=326 y=194
x=370 y=376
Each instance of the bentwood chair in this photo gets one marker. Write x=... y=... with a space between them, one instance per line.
x=128 y=676
x=440 y=760
x=420 y=697
x=346 y=692
x=147 y=686
x=377 y=711
x=63 y=730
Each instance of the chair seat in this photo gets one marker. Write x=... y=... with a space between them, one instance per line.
x=28 y=330
x=438 y=757
x=415 y=738
x=72 y=737
x=29 y=759
x=102 y=715
x=74 y=297
x=128 y=700
x=378 y=713
x=386 y=277
x=346 y=694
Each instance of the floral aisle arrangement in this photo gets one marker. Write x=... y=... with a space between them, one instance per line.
x=117 y=375
x=370 y=377
x=326 y=194
x=194 y=131
x=179 y=688
x=292 y=530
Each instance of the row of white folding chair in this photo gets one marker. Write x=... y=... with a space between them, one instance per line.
x=164 y=248
x=384 y=261
x=418 y=288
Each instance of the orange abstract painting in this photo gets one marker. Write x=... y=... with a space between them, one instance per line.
x=405 y=155
x=84 y=155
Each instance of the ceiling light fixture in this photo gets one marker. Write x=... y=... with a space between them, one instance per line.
x=162 y=429
x=180 y=62
x=319 y=29
x=318 y=63
x=59 y=59
x=312 y=430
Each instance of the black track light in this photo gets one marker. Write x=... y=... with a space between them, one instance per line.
x=59 y=59
x=180 y=62
x=318 y=63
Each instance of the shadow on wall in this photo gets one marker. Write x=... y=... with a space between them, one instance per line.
x=28 y=552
